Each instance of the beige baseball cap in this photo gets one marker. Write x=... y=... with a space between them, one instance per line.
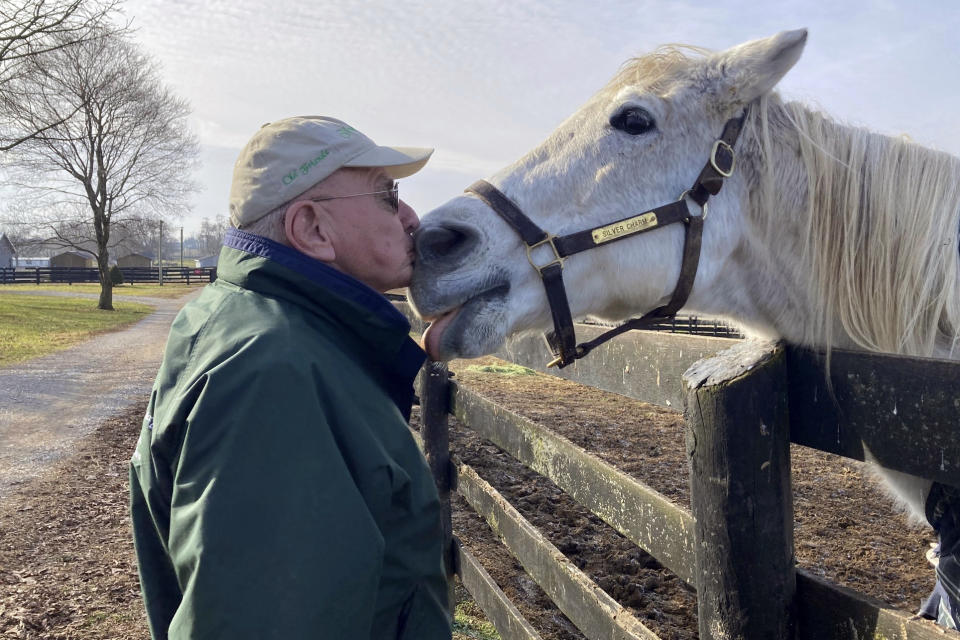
x=287 y=157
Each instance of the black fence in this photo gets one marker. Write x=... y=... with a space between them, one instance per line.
x=693 y=325
x=69 y=275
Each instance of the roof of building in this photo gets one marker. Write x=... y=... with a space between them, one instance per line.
x=5 y=240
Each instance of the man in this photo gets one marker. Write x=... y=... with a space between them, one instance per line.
x=276 y=491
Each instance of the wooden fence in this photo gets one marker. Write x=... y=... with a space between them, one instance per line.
x=69 y=275
x=746 y=402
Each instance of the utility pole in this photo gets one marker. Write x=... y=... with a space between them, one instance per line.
x=181 y=247
x=160 y=255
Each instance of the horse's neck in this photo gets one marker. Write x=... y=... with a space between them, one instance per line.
x=866 y=258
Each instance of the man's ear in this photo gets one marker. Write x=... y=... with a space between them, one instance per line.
x=309 y=230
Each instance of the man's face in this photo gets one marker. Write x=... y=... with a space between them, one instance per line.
x=372 y=239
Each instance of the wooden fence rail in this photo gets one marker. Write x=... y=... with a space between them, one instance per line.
x=642 y=515
x=744 y=406
x=508 y=622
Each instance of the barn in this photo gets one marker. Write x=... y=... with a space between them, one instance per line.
x=134 y=260
x=73 y=259
x=8 y=253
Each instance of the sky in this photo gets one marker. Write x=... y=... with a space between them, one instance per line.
x=484 y=81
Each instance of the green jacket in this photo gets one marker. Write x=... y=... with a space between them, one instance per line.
x=276 y=491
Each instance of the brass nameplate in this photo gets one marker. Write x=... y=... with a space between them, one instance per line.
x=624 y=227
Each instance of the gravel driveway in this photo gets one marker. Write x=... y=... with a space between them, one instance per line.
x=49 y=403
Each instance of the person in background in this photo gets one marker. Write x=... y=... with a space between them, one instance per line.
x=276 y=491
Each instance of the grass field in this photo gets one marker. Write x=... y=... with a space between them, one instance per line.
x=469 y=622
x=150 y=290
x=32 y=326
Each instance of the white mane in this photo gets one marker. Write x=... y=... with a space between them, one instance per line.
x=878 y=236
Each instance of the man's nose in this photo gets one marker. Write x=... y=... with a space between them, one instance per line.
x=408 y=217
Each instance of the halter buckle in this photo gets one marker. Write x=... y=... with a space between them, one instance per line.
x=703 y=209
x=559 y=360
x=557 y=258
x=721 y=144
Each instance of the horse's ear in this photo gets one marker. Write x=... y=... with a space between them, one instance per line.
x=749 y=70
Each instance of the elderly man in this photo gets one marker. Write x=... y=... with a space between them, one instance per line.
x=275 y=490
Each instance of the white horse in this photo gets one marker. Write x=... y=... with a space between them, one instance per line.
x=826 y=235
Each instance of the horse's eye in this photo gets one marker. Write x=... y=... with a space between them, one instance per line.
x=633 y=120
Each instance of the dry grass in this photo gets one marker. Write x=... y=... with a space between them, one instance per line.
x=139 y=289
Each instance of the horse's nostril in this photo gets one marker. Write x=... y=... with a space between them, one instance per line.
x=438 y=243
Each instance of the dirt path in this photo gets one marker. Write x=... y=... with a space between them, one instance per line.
x=49 y=403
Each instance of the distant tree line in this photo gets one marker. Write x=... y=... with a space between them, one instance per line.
x=94 y=148
x=197 y=242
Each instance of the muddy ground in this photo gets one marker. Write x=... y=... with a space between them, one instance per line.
x=67 y=569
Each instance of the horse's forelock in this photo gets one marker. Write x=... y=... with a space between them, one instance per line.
x=655 y=69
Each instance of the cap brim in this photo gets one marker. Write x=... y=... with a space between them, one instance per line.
x=399 y=162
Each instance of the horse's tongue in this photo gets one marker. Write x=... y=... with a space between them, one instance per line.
x=431 y=337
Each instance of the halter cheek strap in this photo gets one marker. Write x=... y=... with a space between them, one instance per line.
x=562 y=339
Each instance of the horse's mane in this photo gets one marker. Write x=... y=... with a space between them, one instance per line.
x=879 y=235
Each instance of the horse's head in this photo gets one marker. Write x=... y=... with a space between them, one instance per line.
x=637 y=144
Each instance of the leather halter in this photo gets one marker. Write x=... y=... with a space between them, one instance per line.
x=562 y=340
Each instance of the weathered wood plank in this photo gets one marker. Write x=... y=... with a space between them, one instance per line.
x=595 y=614
x=434 y=412
x=509 y=623
x=906 y=410
x=638 y=512
x=646 y=365
x=738 y=442
x=825 y=610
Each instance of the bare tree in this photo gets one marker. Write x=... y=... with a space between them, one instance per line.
x=120 y=154
x=211 y=234
x=31 y=28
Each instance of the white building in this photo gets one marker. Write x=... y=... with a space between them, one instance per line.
x=207 y=261
x=21 y=263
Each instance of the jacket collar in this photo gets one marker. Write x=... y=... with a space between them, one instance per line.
x=380 y=331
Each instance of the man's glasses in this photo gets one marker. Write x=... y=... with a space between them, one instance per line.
x=393 y=199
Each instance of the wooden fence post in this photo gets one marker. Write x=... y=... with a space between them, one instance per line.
x=434 y=413
x=738 y=444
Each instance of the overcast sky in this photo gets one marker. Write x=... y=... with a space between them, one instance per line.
x=484 y=81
